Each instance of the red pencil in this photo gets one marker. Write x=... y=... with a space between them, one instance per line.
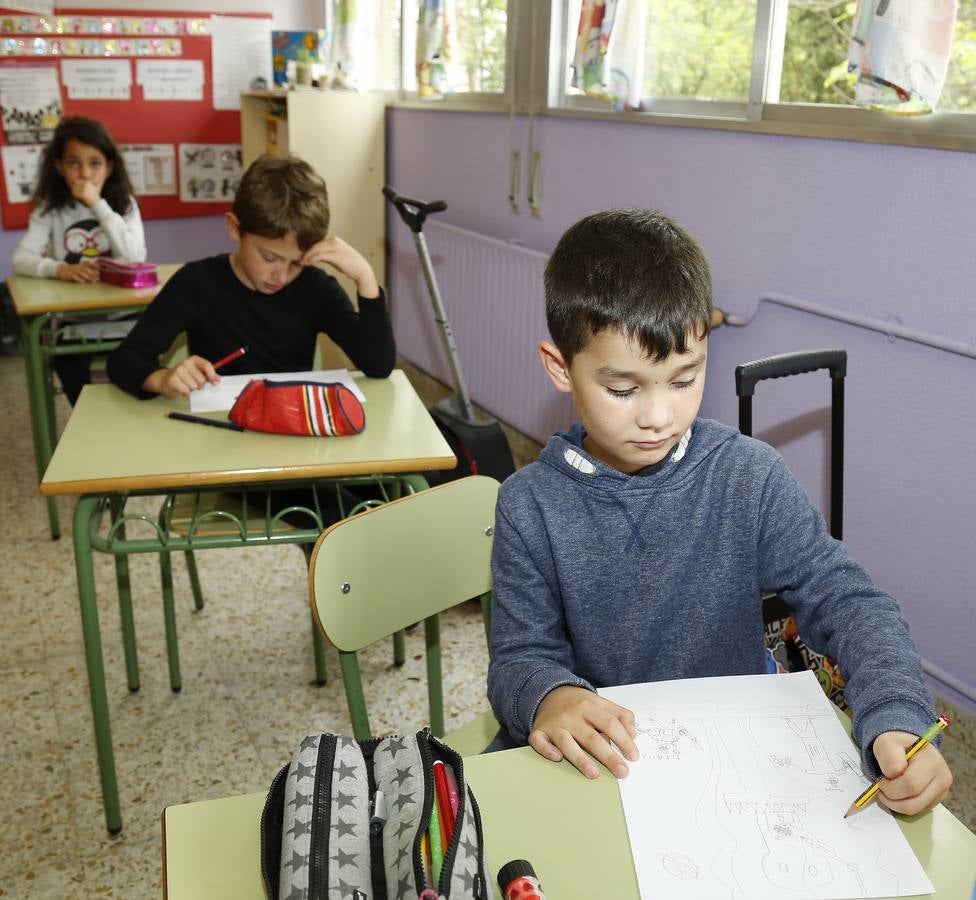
x=443 y=802
x=230 y=357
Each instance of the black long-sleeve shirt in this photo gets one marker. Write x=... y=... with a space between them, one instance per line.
x=219 y=314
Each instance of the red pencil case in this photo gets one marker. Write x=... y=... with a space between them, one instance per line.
x=299 y=407
x=128 y=275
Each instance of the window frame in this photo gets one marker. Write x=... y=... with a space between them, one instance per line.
x=535 y=84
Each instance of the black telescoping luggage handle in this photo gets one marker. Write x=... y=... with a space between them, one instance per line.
x=748 y=375
x=413 y=212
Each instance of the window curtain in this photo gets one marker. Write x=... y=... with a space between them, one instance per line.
x=346 y=50
x=899 y=53
x=609 y=58
x=436 y=47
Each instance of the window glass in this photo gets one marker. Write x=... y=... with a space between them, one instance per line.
x=699 y=49
x=815 y=55
x=959 y=93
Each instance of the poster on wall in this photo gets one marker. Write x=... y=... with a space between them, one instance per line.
x=209 y=173
x=20 y=165
x=170 y=79
x=97 y=79
x=151 y=168
x=31 y=102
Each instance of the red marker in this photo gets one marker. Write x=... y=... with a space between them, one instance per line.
x=230 y=357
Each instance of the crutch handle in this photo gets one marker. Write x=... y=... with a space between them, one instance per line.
x=413 y=212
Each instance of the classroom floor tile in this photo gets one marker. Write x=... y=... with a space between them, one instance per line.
x=248 y=698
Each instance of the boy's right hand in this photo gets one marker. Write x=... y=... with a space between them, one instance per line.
x=192 y=373
x=574 y=723
x=86 y=271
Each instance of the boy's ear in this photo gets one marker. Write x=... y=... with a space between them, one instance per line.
x=555 y=366
x=233 y=226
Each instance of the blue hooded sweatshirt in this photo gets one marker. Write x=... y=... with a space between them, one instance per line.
x=603 y=578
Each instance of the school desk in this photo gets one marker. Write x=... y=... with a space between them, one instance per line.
x=40 y=303
x=572 y=830
x=115 y=446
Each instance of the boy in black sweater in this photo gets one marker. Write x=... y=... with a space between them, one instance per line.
x=266 y=295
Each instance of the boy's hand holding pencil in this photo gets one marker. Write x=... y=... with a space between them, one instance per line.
x=916 y=776
x=190 y=375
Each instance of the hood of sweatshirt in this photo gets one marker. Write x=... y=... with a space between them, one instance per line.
x=564 y=452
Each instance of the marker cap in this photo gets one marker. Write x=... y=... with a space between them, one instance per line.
x=517 y=868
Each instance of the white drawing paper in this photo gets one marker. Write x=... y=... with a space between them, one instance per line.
x=240 y=49
x=741 y=790
x=151 y=168
x=20 y=165
x=97 y=79
x=209 y=173
x=170 y=79
x=218 y=397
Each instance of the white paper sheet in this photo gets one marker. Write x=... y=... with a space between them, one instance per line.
x=218 y=397
x=741 y=790
x=240 y=49
x=30 y=97
x=151 y=168
x=97 y=79
x=20 y=165
x=209 y=173
x=170 y=79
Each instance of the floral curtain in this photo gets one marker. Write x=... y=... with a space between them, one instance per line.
x=899 y=53
x=436 y=46
x=609 y=57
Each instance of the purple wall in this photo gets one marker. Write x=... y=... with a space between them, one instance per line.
x=880 y=231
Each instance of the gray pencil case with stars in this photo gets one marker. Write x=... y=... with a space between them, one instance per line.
x=344 y=821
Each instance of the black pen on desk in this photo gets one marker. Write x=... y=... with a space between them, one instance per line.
x=186 y=417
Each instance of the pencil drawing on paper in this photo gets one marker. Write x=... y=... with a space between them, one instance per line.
x=754 y=796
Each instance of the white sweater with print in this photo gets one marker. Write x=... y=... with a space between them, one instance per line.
x=75 y=232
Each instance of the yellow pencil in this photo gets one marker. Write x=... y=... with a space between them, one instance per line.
x=929 y=734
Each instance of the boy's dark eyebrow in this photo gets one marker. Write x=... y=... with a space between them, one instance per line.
x=611 y=372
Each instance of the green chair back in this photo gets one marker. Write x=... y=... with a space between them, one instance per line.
x=398 y=564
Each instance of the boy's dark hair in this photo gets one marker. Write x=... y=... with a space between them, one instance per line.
x=282 y=194
x=52 y=190
x=633 y=271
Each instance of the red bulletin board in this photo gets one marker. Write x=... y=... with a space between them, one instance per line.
x=137 y=121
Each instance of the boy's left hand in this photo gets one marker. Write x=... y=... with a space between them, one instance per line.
x=914 y=785
x=335 y=252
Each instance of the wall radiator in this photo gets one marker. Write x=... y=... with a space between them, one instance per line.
x=493 y=294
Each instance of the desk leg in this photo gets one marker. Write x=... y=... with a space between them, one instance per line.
x=40 y=409
x=125 y=601
x=93 y=660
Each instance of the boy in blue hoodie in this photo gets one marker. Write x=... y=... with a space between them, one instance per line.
x=638 y=546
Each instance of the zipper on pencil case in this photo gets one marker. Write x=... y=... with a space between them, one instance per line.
x=426 y=740
x=377 y=873
x=275 y=782
x=318 y=876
